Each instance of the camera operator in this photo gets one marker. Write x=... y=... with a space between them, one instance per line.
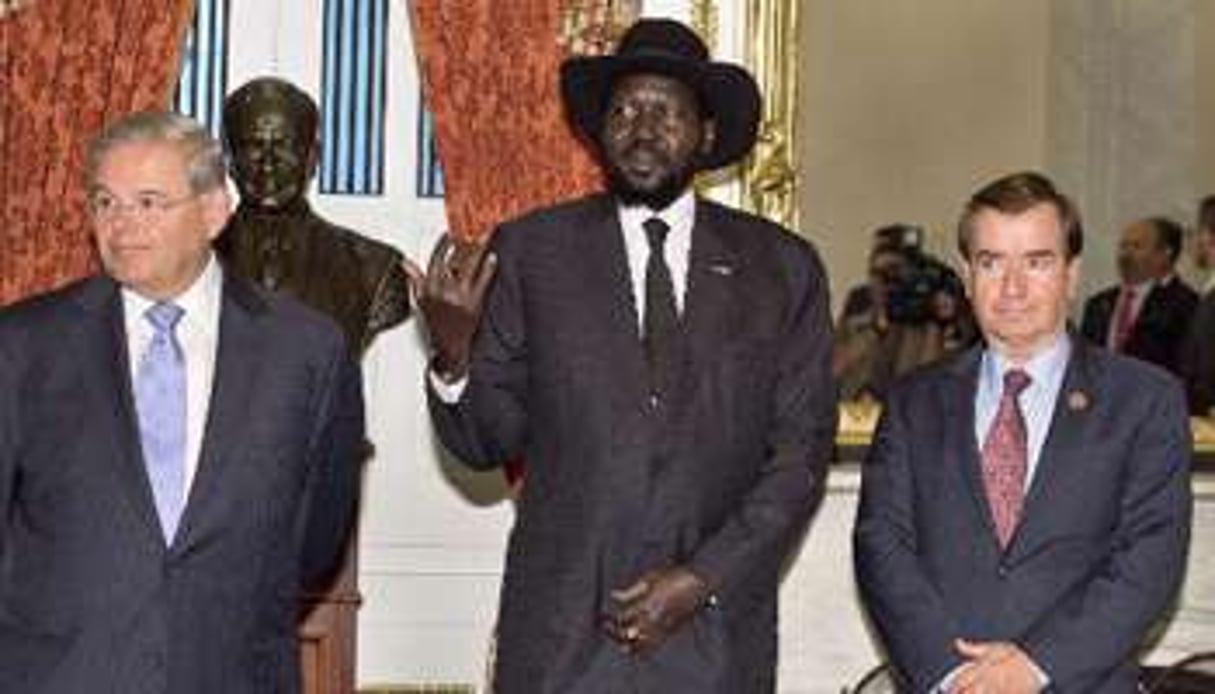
x=912 y=311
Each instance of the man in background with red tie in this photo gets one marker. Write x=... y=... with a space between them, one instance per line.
x=1147 y=315
x=1025 y=506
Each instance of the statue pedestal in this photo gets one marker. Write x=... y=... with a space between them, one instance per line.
x=328 y=631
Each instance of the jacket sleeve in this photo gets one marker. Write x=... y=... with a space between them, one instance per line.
x=758 y=535
x=906 y=607
x=1098 y=625
x=8 y=438
x=486 y=426
x=335 y=457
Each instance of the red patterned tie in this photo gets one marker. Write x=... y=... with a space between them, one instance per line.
x=1005 y=458
x=1124 y=318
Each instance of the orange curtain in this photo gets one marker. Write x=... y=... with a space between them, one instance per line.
x=490 y=77
x=66 y=68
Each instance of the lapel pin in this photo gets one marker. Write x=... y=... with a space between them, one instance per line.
x=721 y=269
x=1078 y=401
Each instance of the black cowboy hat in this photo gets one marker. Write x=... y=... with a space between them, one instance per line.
x=727 y=92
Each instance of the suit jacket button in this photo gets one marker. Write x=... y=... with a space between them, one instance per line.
x=653 y=401
x=1002 y=570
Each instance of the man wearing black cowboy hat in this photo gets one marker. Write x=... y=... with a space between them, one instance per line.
x=662 y=364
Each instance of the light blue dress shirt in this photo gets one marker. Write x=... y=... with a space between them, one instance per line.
x=1037 y=401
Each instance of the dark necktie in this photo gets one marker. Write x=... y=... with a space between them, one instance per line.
x=1005 y=458
x=160 y=400
x=661 y=324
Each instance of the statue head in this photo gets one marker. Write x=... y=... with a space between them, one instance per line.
x=271 y=132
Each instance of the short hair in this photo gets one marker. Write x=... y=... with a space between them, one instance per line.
x=205 y=168
x=1169 y=235
x=1206 y=214
x=298 y=101
x=899 y=236
x=1016 y=193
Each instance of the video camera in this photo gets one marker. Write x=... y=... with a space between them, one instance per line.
x=912 y=293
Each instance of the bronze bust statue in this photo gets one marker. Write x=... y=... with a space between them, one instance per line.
x=271 y=132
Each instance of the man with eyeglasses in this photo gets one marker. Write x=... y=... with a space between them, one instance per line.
x=176 y=447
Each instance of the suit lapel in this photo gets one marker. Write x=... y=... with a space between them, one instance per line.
x=102 y=344
x=715 y=276
x=1064 y=439
x=958 y=398
x=608 y=290
x=238 y=357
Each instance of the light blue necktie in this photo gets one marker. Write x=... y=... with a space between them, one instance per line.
x=160 y=398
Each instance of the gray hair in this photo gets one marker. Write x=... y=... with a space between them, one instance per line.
x=205 y=167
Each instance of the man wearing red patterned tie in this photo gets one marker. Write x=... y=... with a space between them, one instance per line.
x=1025 y=506
x=1148 y=313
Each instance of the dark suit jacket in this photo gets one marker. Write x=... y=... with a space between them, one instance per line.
x=722 y=478
x=91 y=600
x=1160 y=329
x=1098 y=554
x=1198 y=359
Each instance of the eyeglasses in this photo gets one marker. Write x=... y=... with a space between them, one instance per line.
x=145 y=207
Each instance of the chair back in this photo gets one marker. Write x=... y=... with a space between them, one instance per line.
x=882 y=679
x=1193 y=674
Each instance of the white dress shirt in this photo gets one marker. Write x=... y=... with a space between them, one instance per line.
x=198 y=334
x=679 y=217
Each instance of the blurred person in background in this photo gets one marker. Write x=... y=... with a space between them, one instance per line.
x=912 y=311
x=1198 y=356
x=1147 y=314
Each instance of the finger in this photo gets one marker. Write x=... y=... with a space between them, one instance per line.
x=632 y=592
x=613 y=627
x=630 y=636
x=466 y=261
x=485 y=276
x=417 y=278
x=438 y=257
x=971 y=649
x=967 y=679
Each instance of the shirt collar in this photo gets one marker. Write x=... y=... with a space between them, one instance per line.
x=1143 y=287
x=678 y=215
x=1044 y=368
x=200 y=299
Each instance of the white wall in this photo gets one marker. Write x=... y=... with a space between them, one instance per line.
x=906 y=108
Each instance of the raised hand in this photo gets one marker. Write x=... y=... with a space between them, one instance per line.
x=451 y=296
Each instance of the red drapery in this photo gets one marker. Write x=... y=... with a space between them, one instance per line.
x=489 y=74
x=66 y=68
x=490 y=77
